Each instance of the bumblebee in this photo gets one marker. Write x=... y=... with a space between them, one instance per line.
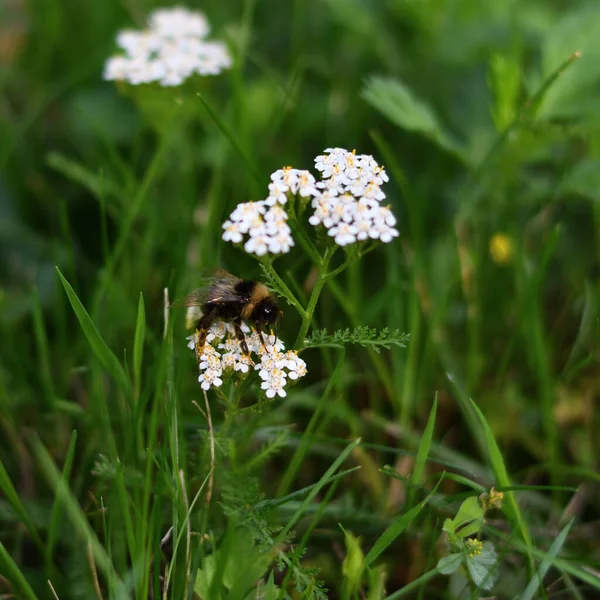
x=231 y=299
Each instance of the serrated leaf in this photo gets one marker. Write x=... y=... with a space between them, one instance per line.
x=396 y=101
x=362 y=336
x=449 y=564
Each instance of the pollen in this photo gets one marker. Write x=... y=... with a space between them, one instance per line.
x=501 y=249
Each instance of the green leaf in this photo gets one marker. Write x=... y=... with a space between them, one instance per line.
x=138 y=344
x=353 y=565
x=449 y=564
x=397 y=527
x=270 y=591
x=468 y=520
x=483 y=567
x=396 y=101
x=377 y=578
x=416 y=478
x=108 y=360
x=537 y=581
x=505 y=80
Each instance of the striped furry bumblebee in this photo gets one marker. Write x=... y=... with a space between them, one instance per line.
x=233 y=300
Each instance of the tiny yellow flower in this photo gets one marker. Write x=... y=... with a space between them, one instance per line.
x=501 y=249
x=474 y=547
x=490 y=500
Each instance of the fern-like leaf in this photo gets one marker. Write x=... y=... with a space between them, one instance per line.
x=363 y=336
x=274 y=285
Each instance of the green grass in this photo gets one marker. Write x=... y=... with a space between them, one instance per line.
x=113 y=484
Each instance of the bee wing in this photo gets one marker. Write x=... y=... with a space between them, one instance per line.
x=194 y=298
x=217 y=288
x=223 y=275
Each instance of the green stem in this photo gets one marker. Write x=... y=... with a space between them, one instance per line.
x=284 y=288
x=378 y=362
x=314 y=297
x=341 y=268
x=303 y=238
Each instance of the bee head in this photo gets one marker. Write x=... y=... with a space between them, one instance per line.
x=267 y=313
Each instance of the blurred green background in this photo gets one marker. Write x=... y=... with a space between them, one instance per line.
x=489 y=127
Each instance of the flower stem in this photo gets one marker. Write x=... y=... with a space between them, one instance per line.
x=314 y=297
x=284 y=288
x=304 y=240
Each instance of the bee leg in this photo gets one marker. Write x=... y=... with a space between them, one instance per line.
x=261 y=338
x=237 y=325
x=202 y=328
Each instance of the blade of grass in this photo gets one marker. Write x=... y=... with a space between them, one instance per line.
x=233 y=141
x=325 y=479
x=397 y=527
x=310 y=431
x=41 y=340
x=135 y=207
x=266 y=505
x=76 y=515
x=10 y=570
x=497 y=463
x=422 y=454
x=553 y=551
x=56 y=516
x=583 y=574
x=413 y=585
x=12 y=496
x=138 y=345
x=106 y=357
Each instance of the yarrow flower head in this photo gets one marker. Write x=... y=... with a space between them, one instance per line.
x=346 y=202
x=169 y=51
x=265 y=225
x=350 y=204
x=222 y=356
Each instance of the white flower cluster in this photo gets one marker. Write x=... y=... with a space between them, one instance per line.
x=265 y=221
x=222 y=352
x=347 y=202
x=350 y=204
x=172 y=49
